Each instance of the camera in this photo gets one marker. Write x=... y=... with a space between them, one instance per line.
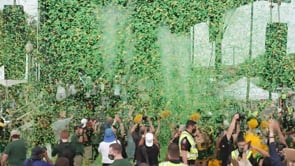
x=241 y=150
x=144 y=118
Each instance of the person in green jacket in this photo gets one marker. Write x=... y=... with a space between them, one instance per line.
x=115 y=153
x=15 y=152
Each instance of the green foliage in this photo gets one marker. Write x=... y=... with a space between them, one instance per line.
x=13 y=39
x=118 y=43
x=70 y=40
x=276 y=50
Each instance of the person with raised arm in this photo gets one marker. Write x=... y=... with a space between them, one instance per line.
x=36 y=159
x=274 y=158
x=226 y=141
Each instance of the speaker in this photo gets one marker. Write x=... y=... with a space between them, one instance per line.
x=276 y=40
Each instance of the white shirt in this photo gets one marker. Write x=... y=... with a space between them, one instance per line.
x=103 y=149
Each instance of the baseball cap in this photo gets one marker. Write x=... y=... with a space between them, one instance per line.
x=14 y=132
x=109 y=135
x=84 y=122
x=149 y=139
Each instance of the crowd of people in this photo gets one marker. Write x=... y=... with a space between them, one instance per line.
x=246 y=141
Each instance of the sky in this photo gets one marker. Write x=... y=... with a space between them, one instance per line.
x=30 y=6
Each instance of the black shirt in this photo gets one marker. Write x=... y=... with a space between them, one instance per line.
x=226 y=146
x=65 y=149
x=136 y=138
x=151 y=152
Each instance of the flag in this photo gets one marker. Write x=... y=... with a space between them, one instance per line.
x=2 y=74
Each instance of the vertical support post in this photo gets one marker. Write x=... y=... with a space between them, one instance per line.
x=250 y=49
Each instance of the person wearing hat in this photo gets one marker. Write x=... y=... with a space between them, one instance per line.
x=36 y=159
x=108 y=139
x=15 y=151
x=148 y=150
x=187 y=144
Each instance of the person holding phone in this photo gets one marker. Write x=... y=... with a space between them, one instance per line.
x=37 y=156
x=243 y=154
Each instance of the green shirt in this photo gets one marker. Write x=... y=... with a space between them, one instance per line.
x=16 y=151
x=121 y=162
x=79 y=147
